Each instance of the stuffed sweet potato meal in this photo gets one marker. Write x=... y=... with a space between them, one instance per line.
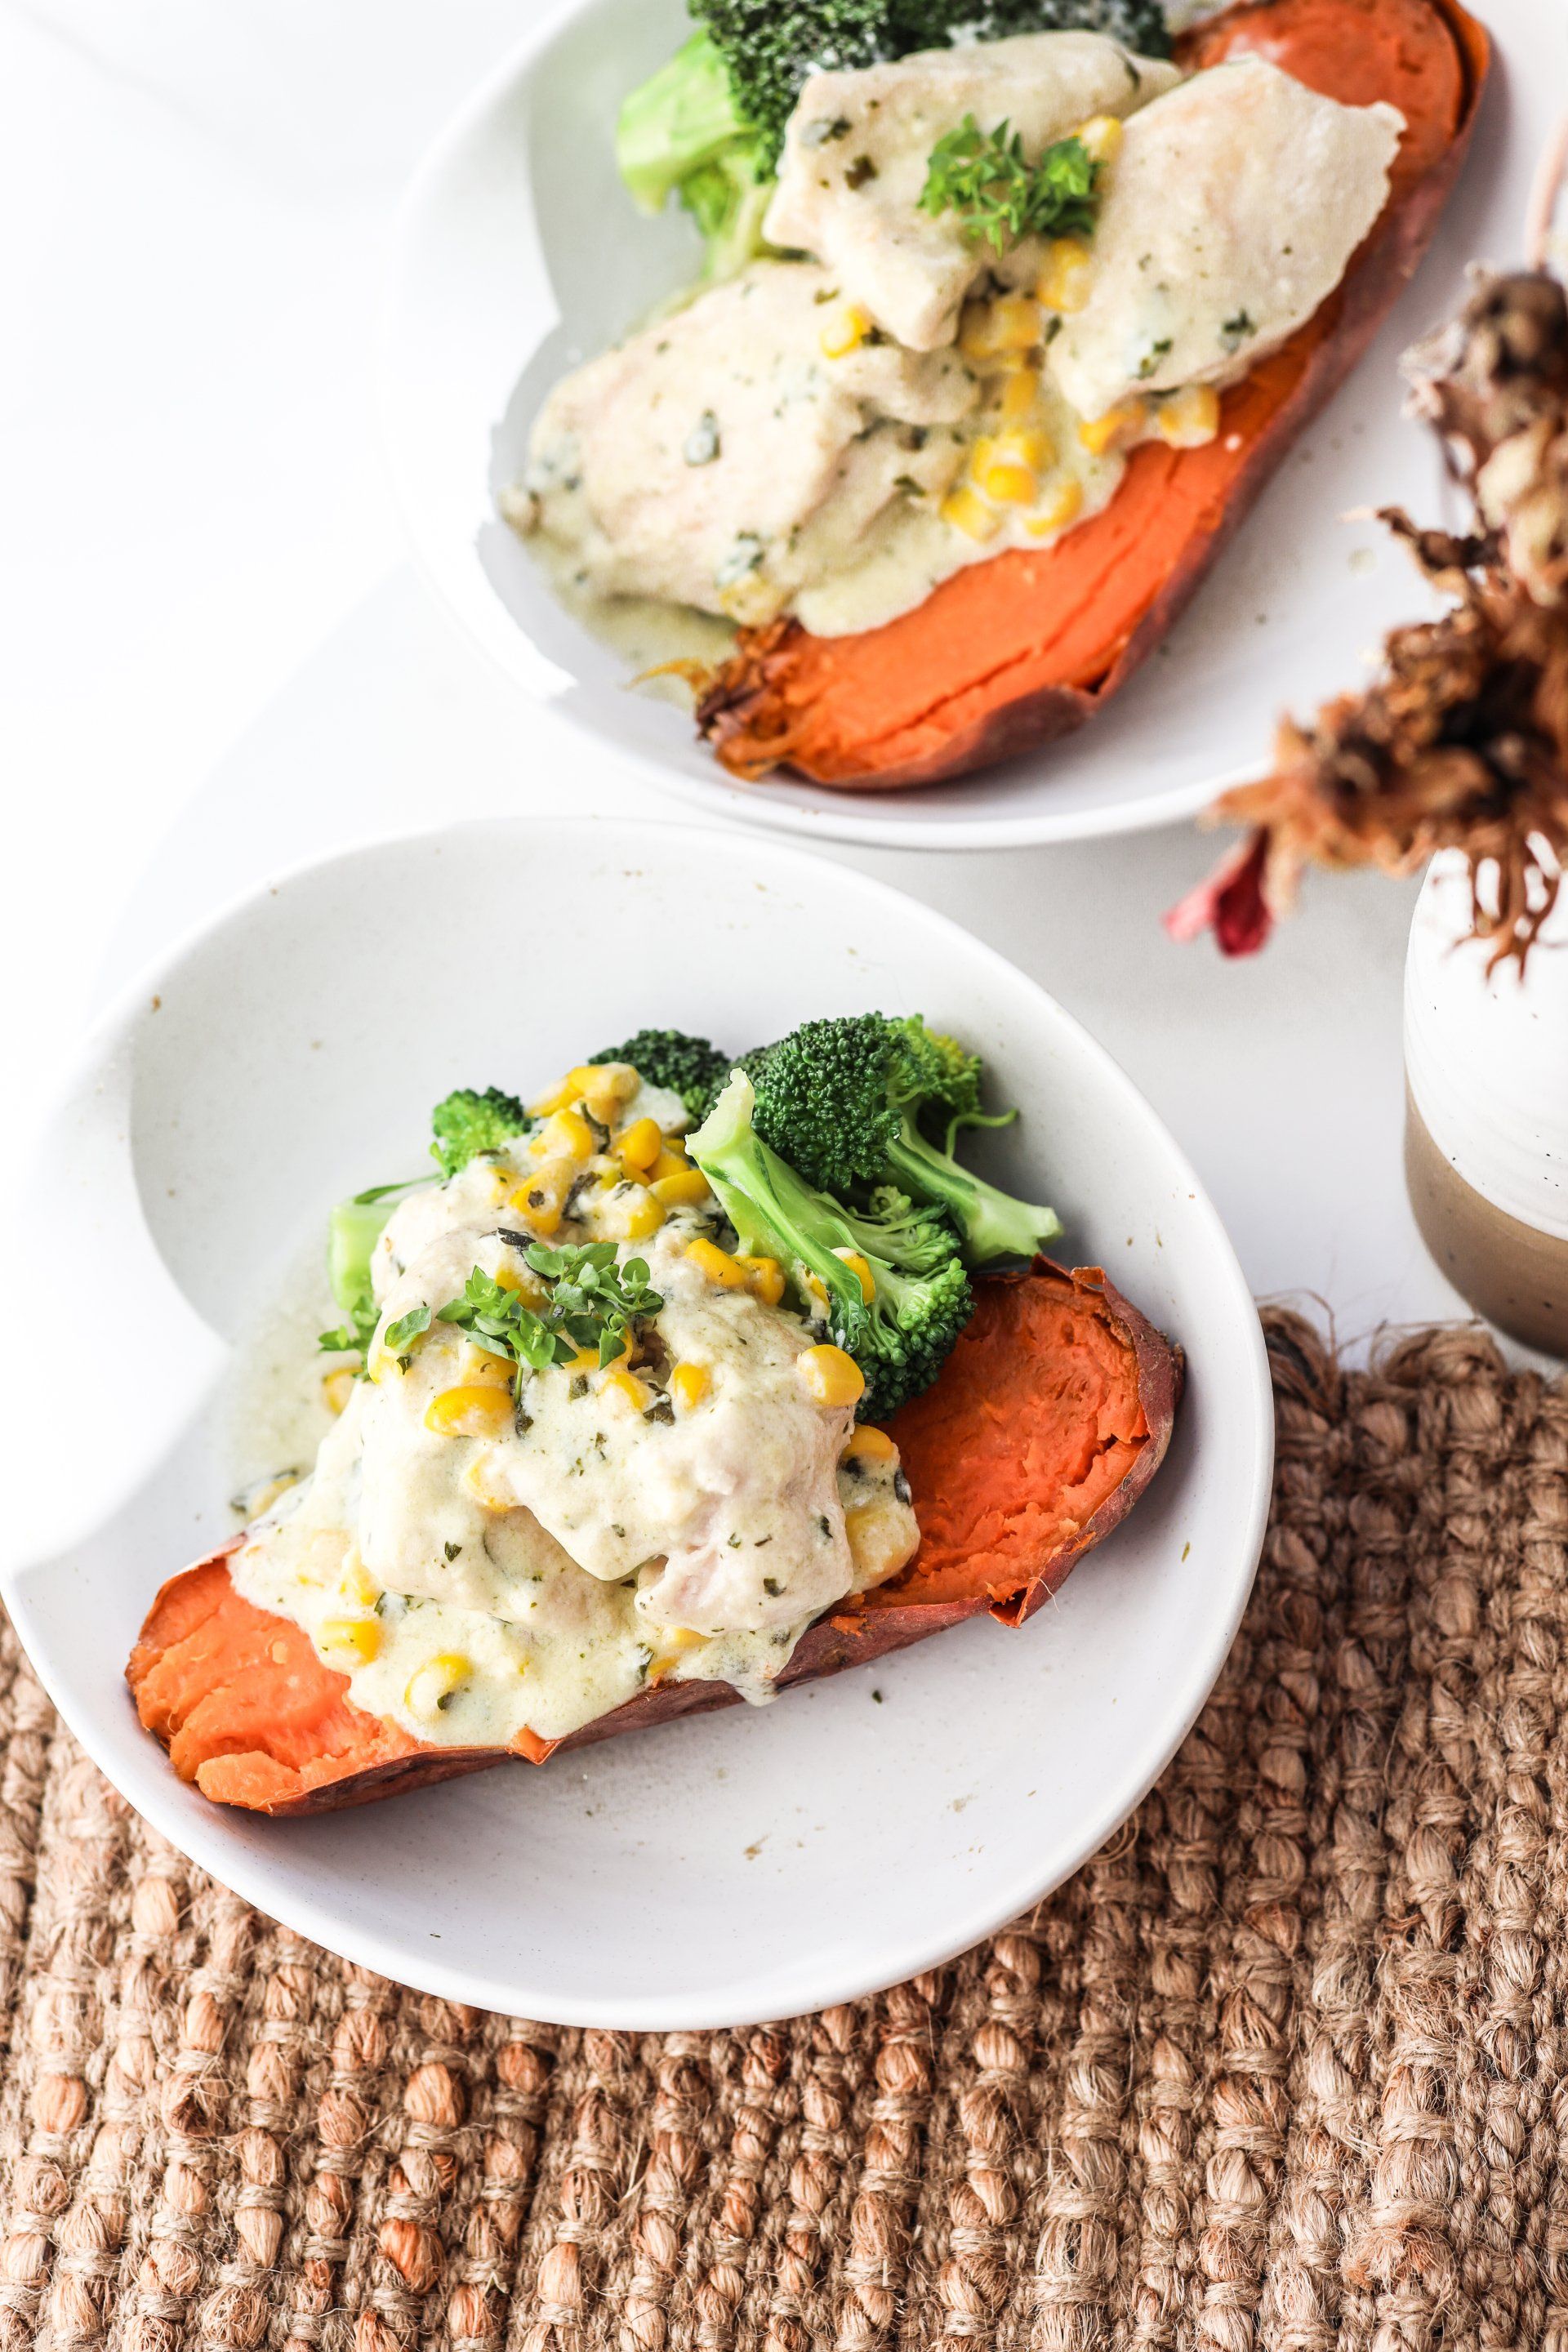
x=1007 y=320
x=680 y=1386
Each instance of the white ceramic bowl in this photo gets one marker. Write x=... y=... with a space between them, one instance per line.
x=750 y=1864
x=518 y=254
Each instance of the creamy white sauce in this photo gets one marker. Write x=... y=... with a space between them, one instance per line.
x=530 y=1562
x=833 y=437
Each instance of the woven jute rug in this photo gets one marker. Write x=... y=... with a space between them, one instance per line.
x=1286 y=2065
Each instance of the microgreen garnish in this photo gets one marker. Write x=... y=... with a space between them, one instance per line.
x=407 y=1327
x=592 y=1303
x=983 y=176
x=348 y=1337
x=385 y=1192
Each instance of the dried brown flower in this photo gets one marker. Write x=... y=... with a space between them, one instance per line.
x=1461 y=741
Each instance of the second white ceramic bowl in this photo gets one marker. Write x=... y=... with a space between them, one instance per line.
x=519 y=254
x=750 y=1864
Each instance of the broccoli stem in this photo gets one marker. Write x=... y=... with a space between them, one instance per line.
x=993 y=1223
x=681 y=133
x=683 y=117
x=775 y=1212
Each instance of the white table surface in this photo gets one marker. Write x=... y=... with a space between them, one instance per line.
x=219 y=661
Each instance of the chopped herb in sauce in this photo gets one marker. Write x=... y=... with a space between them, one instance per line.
x=699 y=447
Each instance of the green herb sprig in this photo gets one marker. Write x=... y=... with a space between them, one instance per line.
x=593 y=1302
x=985 y=177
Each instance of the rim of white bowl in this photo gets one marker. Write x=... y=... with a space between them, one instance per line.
x=206 y=1843
x=469 y=601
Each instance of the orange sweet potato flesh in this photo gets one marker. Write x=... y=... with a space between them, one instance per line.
x=1023 y=648
x=1051 y=1416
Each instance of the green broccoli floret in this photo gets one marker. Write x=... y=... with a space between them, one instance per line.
x=467 y=1123
x=689 y=1067
x=681 y=133
x=1138 y=25
x=845 y=1099
x=769 y=46
x=920 y=1301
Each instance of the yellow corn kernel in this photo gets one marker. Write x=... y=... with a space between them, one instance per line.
x=681 y=1188
x=1063 y=282
x=879 y=1536
x=356 y=1638
x=764 y=1279
x=674 y=1642
x=541 y=1199
x=1190 y=417
x=829 y=1377
x=587 y=1359
x=336 y=1390
x=844 y=330
x=520 y=1282
x=487 y=1488
x=1011 y=322
x=627 y=1386
x=1062 y=504
x=1115 y=429
x=631 y=1217
x=672 y=1157
x=565 y=1133
x=861 y=1270
x=470 y=1411
x=817 y=1291
x=556 y=1099
x=640 y=1144
x=1019 y=393
x=432 y=1685
x=606 y=1086
x=717 y=1265
x=356 y=1583
x=689 y=1384
x=1029 y=446
x=964 y=509
x=478 y=1368
x=1008 y=481
x=1102 y=134
x=871 y=1444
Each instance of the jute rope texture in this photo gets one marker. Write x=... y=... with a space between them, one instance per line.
x=1284 y=2065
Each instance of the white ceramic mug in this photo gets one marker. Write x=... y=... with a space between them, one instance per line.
x=1486 y=1142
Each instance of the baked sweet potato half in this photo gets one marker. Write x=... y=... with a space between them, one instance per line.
x=1015 y=651
x=1051 y=1416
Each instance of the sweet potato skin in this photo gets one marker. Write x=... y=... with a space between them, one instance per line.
x=745 y=709
x=871 y=1627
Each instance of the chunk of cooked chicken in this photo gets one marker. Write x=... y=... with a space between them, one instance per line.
x=1232 y=211
x=858 y=145
x=736 y=452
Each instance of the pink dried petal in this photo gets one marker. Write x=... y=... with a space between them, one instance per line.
x=1231 y=903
